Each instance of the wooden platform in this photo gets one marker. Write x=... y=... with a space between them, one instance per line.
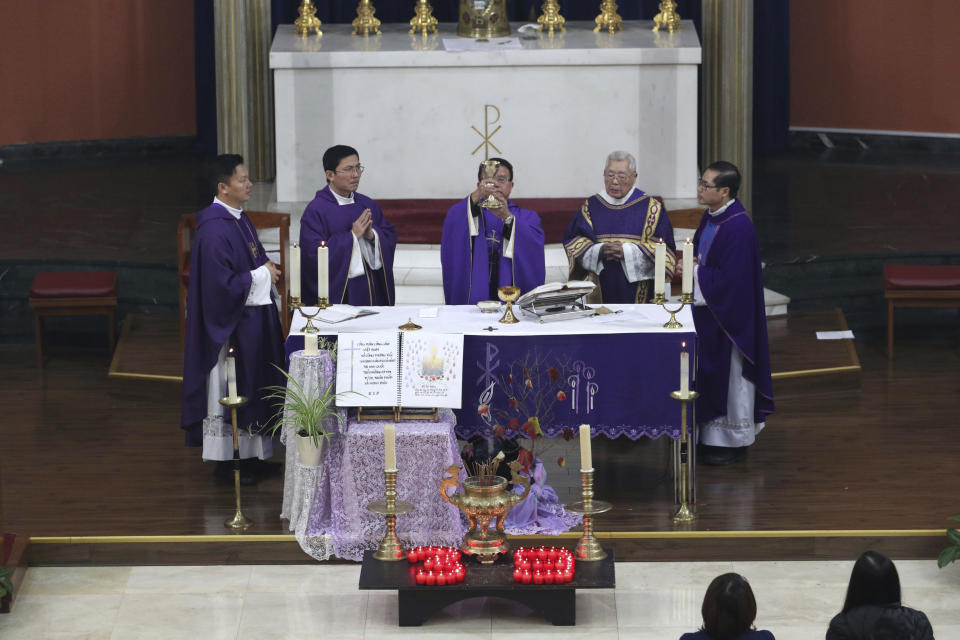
x=95 y=471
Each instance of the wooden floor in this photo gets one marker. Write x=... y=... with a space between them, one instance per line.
x=84 y=454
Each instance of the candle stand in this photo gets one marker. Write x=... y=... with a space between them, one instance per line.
x=322 y=303
x=390 y=548
x=588 y=547
x=673 y=323
x=684 y=478
x=238 y=522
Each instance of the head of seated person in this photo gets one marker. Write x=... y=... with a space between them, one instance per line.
x=729 y=609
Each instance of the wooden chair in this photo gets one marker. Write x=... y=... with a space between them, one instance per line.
x=917 y=285
x=260 y=220
x=73 y=294
x=686 y=218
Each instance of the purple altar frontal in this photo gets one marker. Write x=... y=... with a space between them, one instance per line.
x=614 y=371
x=353 y=478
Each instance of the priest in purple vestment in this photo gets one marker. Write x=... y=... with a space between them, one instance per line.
x=231 y=304
x=483 y=249
x=733 y=361
x=612 y=240
x=360 y=240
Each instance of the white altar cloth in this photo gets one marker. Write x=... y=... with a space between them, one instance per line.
x=468 y=320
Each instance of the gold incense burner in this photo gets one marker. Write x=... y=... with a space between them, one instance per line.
x=483 y=19
x=485 y=501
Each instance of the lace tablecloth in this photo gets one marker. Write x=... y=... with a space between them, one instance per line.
x=300 y=482
x=353 y=478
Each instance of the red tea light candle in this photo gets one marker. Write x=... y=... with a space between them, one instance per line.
x=537 y=565
x=518 y=575
x=549 y=577
x=537 y=577
x=412 y=556
x=431 y=578
x=542 y=554
x=552 y=553
x=548 y=564
x=421 y=576
x=527 y=565
x=527 y=576
x=441 y=579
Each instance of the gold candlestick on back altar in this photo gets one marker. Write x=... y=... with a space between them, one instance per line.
x=308 y=20
x=550 y=17
x=365 y=23
x=608 y=19
x=423 y=20
x=667 y=17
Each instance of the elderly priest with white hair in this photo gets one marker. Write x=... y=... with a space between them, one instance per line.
x=612 y=239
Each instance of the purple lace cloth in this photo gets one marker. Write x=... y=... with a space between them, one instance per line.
x=540 y=512
x=353 y=478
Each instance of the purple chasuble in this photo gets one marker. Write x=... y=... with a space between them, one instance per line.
x=731 y=281
x=466 y=262
x=328 y=221
x=220 y=264
x=637 y=221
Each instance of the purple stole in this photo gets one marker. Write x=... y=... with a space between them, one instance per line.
x=637 y=221
x=731 y=282
x=326 y=220
x=467 y=269
x=220 y=265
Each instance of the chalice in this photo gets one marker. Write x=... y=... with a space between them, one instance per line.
x=489 y=170
x=508 y=295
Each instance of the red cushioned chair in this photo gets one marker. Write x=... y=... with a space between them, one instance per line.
x=73 y=294
x=919 y=286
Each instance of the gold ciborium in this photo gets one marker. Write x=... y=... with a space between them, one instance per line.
x=483 y=19
x=485 y=501
x=508 y=295
x=489 y=171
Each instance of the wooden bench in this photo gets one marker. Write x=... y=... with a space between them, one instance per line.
x=73 y=294
x=919 y=286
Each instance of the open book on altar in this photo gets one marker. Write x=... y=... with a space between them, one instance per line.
x=340 y=312
x=399 y=369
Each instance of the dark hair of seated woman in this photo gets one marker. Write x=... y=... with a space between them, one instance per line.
x=729 y=607
x=873 y=581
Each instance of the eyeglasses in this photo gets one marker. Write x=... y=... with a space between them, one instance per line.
x=500 y=180
x=621 y=177
x=351 y=170
x=701 y=183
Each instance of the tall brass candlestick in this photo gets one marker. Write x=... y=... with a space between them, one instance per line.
x=667 y=18
x=390 y=548
x=550 y=17
x=423 y=20
x=685 y=486
x=365 y=23
x=588 y=547
x=238 y=522
x=308 y=20
x=608 y=19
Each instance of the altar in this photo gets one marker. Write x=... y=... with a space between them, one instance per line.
x=613 y=371
x=422 y=117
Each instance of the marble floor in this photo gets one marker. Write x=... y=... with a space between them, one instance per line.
x=652 y=601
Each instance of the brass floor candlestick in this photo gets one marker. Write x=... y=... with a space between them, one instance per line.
x=685 y=486
x=423 y=20
x=390 y=548
x=550 y=17
x=608 y=19
x=588 y=547
x=238 y=522
x=365 y=24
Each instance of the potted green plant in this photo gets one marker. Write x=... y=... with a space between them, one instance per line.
x=312 y=416
x=952 y=552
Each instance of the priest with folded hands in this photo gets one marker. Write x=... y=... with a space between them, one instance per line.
x=360 y=240
x=612 y=239
x=483 y=248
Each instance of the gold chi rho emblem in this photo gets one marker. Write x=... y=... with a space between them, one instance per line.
x=486 y=144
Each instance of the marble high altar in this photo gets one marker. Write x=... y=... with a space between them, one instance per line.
x=423 y=117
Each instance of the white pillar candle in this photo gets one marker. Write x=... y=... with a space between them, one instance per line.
x=389 y=447
x=323 y=286
x=294 y=270
x=688 y=266
x=684 y=369
x=660 y=268
x=586 y=453
x=232 y=377
x=310 y=344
